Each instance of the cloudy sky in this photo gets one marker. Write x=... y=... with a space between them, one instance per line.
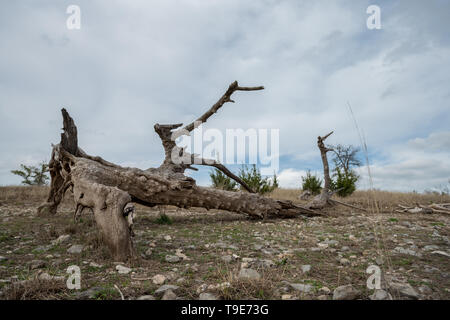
x=136 y=63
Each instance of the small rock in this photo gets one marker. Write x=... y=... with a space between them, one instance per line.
x=407 y=251
x=305 y=288
x=325 y=290
x=430 y=247
x=148 y=297
x=322 y=297
x=75 y=249
x=61 y=239
x=226 y=259
x=441 y=253
x=425 y=290
x=95 y=265
x=37 y=264
x=347 y=292
x=159 y=279
x=122 y=269
x=207 y=296
x=380 y=294
x=344 y=261
x=169 y=295
x=2 y=258
x=45 y=276
x=89 y=294
x=345 y=248
x=161 y=290
x=250 y=274
x=306 y=268
x=172 y=259
x=148 y=253
x=379 y=260
x=403 y=290
x=167 y=238
x=286 y=297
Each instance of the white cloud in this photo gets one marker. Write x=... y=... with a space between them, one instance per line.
x=133 y=65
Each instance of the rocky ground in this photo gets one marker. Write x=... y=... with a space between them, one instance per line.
x=217 y=255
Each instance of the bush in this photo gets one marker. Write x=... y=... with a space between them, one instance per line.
x=345 y=183
x=222 y=181
x=312 y=183
x=164 y=219
x=33 y=176
x=252 y=177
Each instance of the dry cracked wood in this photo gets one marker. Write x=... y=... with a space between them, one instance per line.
x=108 y=189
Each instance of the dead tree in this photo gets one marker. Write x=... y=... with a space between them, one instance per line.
x=323 y=199
x=108 y=189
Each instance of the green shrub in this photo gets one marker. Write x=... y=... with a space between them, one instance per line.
x=345 y=183
x=33 y=175
x=252 y=177
x=312 y=183
x=164 y=219
x=222 y=181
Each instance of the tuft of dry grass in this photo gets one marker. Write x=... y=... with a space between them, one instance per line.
x=36 y=290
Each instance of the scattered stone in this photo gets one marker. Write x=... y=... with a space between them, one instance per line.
x=411 y=252
x=305 y=288
x=37 y=264
x=172 y=259
x=403 y=290
x=322 y=297
x=286 y=297
x=380 y=294
x=75 y=249
x=148 y=297
x=46 y=277
x=379 y=260
x=167 y=238
x=345 y=248
x=249 y=274
x=169 y=295
x=159 y=279
x=2 y=258
x=344 y=261
x=431 y=247
x=325 y=290
x=95 y=265
x=122 y=269
x=149 y=252
x=207 y=296
x=161 y=290
x=347 y=292
x=306 y=268
x=91 y=293
x=61 y=239
x=425 y=290
x=226 y=259
x=179 y=253
x=441 y=253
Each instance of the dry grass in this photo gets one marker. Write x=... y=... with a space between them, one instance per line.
x=36 y=290
x=386 y=201
x=28 y=194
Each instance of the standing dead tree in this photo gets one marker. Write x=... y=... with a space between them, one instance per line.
x=323 y=199
x=108 y=189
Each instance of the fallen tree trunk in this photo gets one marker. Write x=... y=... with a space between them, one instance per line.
x=108 y=189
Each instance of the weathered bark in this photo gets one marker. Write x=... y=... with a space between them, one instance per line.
x=108 y=189
x=324 y=198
